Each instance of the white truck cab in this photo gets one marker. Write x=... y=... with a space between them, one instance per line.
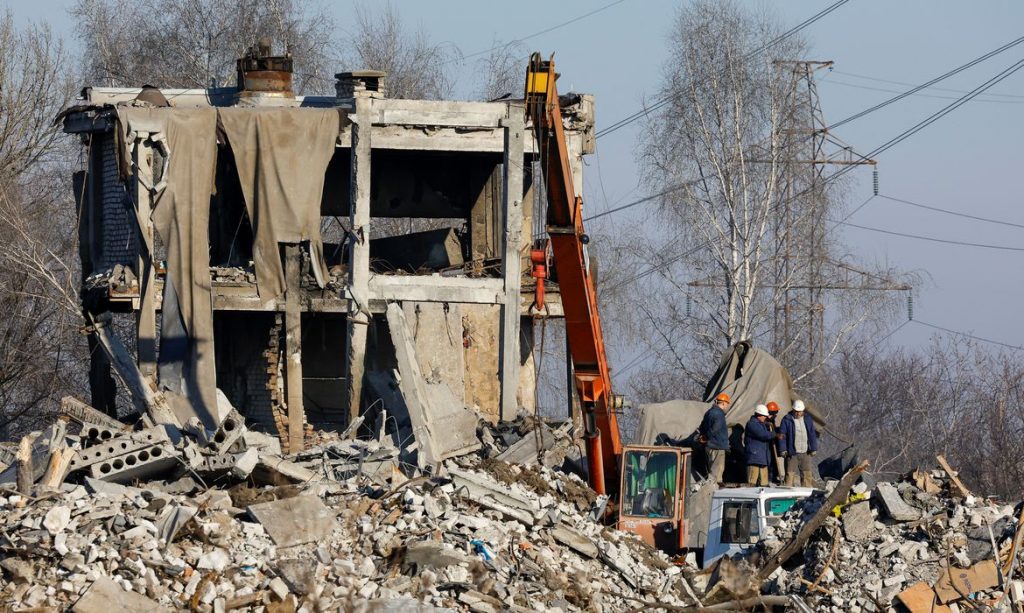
x=739 y=516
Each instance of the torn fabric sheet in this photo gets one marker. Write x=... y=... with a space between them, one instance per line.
x=282 y=157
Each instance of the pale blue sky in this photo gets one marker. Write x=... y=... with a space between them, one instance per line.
x=966 y=162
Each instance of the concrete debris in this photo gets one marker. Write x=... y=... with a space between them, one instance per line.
x=343 y=525
x=919 y=543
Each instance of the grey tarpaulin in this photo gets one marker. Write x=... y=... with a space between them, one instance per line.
x=750 y=376
x=282 y=157
x=181 y=217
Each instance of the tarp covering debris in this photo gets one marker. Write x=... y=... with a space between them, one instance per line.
x=749 y=375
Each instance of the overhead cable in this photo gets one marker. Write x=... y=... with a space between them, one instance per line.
x=750 y=55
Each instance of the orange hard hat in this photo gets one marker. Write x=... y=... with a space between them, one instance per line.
x=773 y=407
x=722 y=396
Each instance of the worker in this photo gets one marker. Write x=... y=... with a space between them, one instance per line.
x=714 y=435
x=798 y=444
x=776 y=468
x=758 y=440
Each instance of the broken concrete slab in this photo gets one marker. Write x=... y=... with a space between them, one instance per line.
x=432 y=554
x=894 y=505
x=275 y=470
x=575 y=541
x=294 y=521
x=858 y=523
x=107 y=596
x=442 y=426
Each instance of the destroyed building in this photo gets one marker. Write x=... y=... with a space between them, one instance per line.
x=258 y=236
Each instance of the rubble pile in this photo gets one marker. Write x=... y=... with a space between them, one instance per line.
x=924 y=543
x=234 y=525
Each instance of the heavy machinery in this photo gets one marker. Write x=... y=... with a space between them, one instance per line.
x=649 y=484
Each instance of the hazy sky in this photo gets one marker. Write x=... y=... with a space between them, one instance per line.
x=966 y=162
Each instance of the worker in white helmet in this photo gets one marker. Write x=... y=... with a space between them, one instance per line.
x=757 y=441
x=798 y=444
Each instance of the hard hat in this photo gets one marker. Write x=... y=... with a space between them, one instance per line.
x=723 y=396
x=773 y=407
x=798 y=406
x=761 y=410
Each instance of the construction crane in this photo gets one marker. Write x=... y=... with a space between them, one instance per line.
x=568 y=242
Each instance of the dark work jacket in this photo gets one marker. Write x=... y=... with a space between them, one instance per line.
x=788 y=430
x=714 y=429
x=757 y=439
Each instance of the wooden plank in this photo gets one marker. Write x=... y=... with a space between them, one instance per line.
x=293 y=350
x=25 y=474
x=512 y=207
x=961 y=488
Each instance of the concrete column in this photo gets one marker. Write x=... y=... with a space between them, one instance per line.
x=145 y=318
x=359 y=253
x=293 y=349
x=512 y=207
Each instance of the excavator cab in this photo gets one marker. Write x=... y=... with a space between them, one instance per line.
x=652 y=495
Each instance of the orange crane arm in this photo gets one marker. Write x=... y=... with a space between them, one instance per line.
x=579 y=296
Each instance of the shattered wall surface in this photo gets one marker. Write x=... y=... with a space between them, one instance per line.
x=119 y=240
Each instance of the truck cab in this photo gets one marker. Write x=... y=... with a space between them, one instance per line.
x=739 y=517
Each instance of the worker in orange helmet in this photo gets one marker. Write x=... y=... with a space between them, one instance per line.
x=714 y=435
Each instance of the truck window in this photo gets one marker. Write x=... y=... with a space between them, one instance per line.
x=739 y=522
x=778 y=506
x=650 y=480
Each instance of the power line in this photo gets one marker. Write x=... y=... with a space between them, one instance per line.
x=932 y=82
x=778 y=39
x=941 y=89
x=894 y=331
x=536 y=34
x=968 y=335
x=949 y=108
x=1000 y=222
x=928 y=238
x=936 y=96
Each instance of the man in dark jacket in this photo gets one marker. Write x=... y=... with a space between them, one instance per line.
x=714 y=435
x=798 y=444
x=757 y=441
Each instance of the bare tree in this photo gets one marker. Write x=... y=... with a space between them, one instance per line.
x=741 y=225
x=416 y=67
x=38 y=337
x=504 y=71
x=194 y=43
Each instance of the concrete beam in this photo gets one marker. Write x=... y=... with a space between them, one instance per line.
x=397 y=111
x=512 y=206
x=435 y=288
x=359 y=254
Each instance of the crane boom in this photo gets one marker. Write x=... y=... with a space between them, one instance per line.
x=579 y=295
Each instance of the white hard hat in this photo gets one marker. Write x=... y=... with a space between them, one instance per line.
x=761 y=410
x=798 y=406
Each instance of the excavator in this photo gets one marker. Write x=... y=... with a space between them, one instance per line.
x=648 y=486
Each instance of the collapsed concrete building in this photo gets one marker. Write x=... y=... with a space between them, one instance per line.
x=258 y=238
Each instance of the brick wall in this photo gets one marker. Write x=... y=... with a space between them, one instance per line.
x=118 y=228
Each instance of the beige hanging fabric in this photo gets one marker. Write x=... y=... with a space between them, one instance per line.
x=181 y=217
x=282 y=156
